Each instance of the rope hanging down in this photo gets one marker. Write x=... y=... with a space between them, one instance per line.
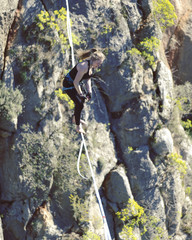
x=106 y=228
x=69 y=34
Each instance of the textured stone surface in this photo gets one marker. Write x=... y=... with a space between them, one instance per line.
x=7 y=13
x=163 y=142
x=131 y=102
x=144 y=184
x=117 y=186
x=165 y=84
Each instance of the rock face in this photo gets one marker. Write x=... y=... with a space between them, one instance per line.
x=133 y=124
x=7 y=18
x=163 y=142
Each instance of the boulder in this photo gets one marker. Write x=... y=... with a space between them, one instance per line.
x=165 y=84
x=137 y=123
x=117 y=188
x=163 y=142
x=144 y=185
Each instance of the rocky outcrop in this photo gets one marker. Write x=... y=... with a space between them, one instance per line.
x=133 y=124
x=7 y=18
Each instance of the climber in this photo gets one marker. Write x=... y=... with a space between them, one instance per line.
x=92 y=59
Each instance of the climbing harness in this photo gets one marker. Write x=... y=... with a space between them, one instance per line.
x=70 y=81
x=106 y=228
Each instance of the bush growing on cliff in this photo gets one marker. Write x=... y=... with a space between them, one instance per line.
x=81 y=214
x=176 y=160
x=90 y=236
x=187 y=125
x=65 y=97
x=37 y=154
x=56 y=23
x=26 y=60
x=10 y=102
x=164 y=13
x=131 y=216
x=146 y=49
x=134 y=216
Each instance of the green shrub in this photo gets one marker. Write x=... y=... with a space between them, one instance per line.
x=146 y=49
x=130 y=149
x=131 y=216
x=187 y=125
x=179 y=102
x=186 y=223
x=57 y=23
x=148 y=46
x=188 y=191
x=26 y=60
x=135 y=216
x=10 y=102
x=81 y=215
x=90 y=236
x=80 y=208
x=176 y=160
x=134 y=51
x=107 y=28
x=164 y=13
x=66 y=168
x=37 y=154
x=65 y=97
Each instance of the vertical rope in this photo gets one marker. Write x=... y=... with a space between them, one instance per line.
x=70 y=34
x=106 y=228
x=78 y=161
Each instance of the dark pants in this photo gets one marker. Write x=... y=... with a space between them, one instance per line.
x=79 y=103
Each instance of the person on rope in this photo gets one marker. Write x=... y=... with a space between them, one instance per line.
x=92 y=59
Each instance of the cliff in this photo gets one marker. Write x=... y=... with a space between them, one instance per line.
x=139 y=121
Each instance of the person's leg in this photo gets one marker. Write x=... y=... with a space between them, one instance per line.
x=81 y=121
x=72 y=93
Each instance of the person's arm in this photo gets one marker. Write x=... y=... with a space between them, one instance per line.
x=81 y=70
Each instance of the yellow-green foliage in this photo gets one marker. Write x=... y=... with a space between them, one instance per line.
x=179 y=102
x=81 y=214
x=134 y=51
x=65 y=97
x=187 y=126
x=134 y=216
x=10 y=102
x=148 y=46
x=176 y=160
x=188 y=191
x=130 y=149
x=90 y=236
x=80 y=208
x=164 y=13
x=36 y=153
x=57 y=22
x=106 y=29
x=146 y=49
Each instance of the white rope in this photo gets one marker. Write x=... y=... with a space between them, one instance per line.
x=106 y=228
x=70 y=34
x=78 y=161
